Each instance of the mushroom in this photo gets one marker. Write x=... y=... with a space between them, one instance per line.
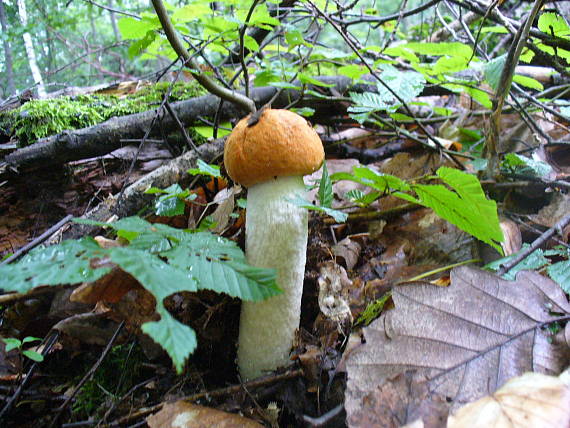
x=270 y=155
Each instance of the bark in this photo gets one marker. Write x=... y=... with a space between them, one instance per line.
x=28 y=43
x=105 y=137
x=10 y=84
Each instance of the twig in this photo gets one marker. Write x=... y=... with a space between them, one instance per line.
x=323 y=419
x=503 y=88
x=88 y=375
x=38 y=240
x=204 y=80
x=234 y=389
x=561 y=224
x=174 y=116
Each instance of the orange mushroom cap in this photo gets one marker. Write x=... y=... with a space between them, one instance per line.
x=281 y=143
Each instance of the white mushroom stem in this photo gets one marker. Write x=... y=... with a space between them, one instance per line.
x=276 y=237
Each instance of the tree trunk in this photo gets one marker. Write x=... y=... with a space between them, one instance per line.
x=30 y=51
x=114 y=21
x=10 y=84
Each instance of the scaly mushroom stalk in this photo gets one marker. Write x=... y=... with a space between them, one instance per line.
x=276 y=237
x=270 y=156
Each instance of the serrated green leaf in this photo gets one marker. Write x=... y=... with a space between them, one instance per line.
x=466 y=206
x=158 y=277
x=493 y=70
x=67 y=263
x=325 y=188
x=560 y=273
x=514 y=163
x=218 y=264
x=533 y=261
x=366 y=176
x=177 y=339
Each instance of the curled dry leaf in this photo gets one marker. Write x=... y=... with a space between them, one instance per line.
x=512 y=234
x=531 y=400
x=333 y=290
x=347 y=252
x=467 y=339
x=187 y=415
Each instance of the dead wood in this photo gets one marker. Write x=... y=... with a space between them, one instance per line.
x=105 y=137
x=134 y=198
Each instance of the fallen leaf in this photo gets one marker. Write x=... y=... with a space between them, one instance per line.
x=467 y=339
x=531 y=400
x=403 y=397
x=182 y=414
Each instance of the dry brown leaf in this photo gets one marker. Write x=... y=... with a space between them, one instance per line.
x=182 y=414
x=513 y=239
x=467 y=339
x=532 y=400
x=403 y=397
x=347 y=252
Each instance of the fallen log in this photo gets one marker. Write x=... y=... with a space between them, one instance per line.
x=107 y=136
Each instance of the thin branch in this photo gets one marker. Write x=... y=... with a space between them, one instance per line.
x=172 y=36
x=561 y=224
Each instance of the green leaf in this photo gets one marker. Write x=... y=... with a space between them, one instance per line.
x=250 y=43
x=162 y=280
x=553 y=24
x=67 y=263
x=325 y=188
x=528 y=82
x=218 y=264
x=406 y=84
x=29 y=339
x=295 y=38
x=177 y=339
x=466 y=206
x=381 y=182
x=205 y=169
x=352 y=71
x=308 y=80
x=11 y=343
x=438 y=49
x=493 y=70
x=560 y=272
x=514 y=163
x=33 y=355
x=208 y=131
x=339 y=216
x=533 y=261
x=360 y=198
x=132 y=28
x=171 y=202
x=192 y=12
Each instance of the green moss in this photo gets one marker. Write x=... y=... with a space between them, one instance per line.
x=41 y=118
